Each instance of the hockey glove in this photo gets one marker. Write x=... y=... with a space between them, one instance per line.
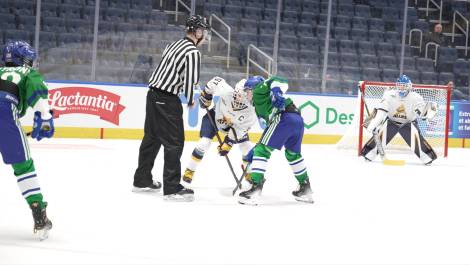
x=226 y=146
x=42 y=128
x=205 y=99
x=277 y=99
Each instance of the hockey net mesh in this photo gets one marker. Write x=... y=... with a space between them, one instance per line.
x=434 y=131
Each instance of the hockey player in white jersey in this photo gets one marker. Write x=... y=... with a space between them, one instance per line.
x=233 y=116
x=398 y=112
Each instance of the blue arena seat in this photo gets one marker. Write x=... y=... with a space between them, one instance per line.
x=304 y=30
x=253 y=13
x=311 y=6
x=429 y=78
x=359 y=23
x=346 y=10
x=368 y=61
x=425 y=64
x=53 y=24
x=308 y=18
x=69 y=11
x=372 y=74
x=343 y=21
x=388 y=62
x=290 y=16
x=365 y=47
x=350 y=60
x=362 y=11
x=347 y=46
x=385 y=49
x=390 y=75
x=267 y=27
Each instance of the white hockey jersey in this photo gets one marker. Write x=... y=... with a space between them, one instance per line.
x=402 y=110
x=227 y=114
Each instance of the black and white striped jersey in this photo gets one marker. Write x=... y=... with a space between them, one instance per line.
x=178 y=71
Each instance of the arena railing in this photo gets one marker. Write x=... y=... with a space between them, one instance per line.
x=420 y=39
x=463 y=28
x=435 y=51
x=226 y=40
x=269 y=61
x=437 y=6
x=177 y=3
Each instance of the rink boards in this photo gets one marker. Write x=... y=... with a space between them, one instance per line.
x=115 y=111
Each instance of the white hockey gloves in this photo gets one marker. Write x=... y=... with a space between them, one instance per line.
x=426 y=111
x=376 y=121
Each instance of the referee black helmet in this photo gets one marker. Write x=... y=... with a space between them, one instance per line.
x=199 y=27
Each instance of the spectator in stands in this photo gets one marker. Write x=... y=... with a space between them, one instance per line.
x=436 y=36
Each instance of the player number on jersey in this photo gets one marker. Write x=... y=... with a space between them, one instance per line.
x=11 y=76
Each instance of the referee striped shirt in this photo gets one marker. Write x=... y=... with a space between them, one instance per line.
x=178 y=71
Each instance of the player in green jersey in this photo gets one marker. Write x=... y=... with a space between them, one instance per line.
x=285 y=128
x=21 y=87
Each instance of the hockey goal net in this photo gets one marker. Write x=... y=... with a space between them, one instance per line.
x=435 y=131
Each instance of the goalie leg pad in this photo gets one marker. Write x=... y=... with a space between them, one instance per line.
x=369 y=151
x=415 y=140
x=418 y=144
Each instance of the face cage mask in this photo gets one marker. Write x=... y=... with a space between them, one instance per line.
x=403 y=89
x=239 y=100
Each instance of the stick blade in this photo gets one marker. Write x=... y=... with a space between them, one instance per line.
x=392 y=162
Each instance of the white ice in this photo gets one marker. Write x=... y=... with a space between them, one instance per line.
x=365 y=213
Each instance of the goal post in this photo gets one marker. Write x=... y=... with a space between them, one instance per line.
x=435 y=131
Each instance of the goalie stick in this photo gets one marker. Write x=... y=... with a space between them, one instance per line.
x=378 y=141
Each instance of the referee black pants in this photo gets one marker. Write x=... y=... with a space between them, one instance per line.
x=163 y=126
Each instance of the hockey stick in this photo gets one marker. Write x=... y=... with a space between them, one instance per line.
x=378 y=141
x=220 y=143
x=246 y=168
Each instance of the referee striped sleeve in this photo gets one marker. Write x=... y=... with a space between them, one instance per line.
x=191 y=77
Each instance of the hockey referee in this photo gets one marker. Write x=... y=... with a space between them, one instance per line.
x=177 y=73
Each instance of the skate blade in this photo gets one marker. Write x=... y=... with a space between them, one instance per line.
x=304 y=199
x=170 y=198
x=43 y=234
x=249 y=202
x=146 y=189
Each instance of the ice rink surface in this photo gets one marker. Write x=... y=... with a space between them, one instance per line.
x=365 y=213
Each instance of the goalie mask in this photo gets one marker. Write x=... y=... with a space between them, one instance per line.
x=403 y=86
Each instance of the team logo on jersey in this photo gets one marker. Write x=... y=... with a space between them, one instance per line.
x=400 y=112
x=86 y=100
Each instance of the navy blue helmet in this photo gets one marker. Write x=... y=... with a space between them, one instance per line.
x=18 y=53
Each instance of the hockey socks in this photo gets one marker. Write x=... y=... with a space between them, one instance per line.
x=28 y=182
x=261 y=155
x=196 y=157
x=296 y=162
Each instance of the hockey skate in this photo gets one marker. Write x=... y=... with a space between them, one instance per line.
x=188 y=175
x=251 y=196
x=184 y=195
x=42 y=224
x=303 y=192
x=154 y=187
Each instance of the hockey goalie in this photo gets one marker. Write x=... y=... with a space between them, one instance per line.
x=398 y=113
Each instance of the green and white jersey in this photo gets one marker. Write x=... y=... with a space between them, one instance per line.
x=30 y=83
x=262 y=97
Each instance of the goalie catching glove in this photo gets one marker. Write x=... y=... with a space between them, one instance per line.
x=426 y=111
x=226 y=146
